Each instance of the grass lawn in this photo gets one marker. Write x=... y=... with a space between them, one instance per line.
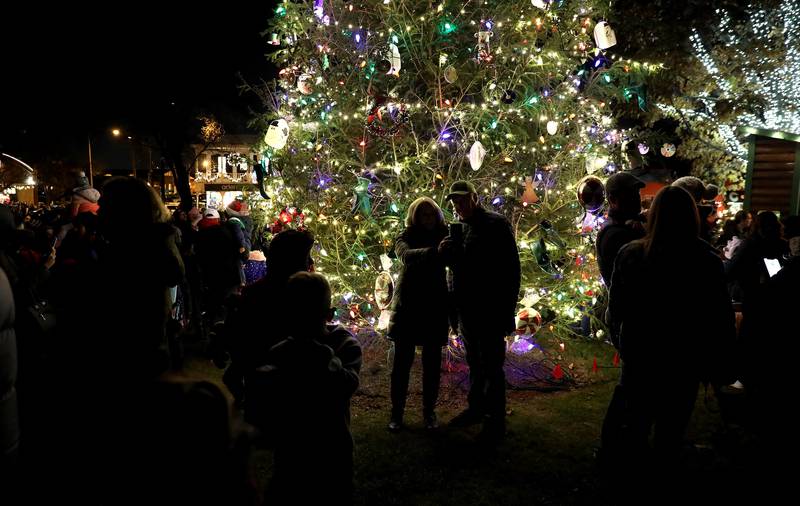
x=547 y=458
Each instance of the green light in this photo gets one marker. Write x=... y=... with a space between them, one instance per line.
x=394 y=207
x=607 y=78
x=494 y=124
x=446 y=27
x=361 y=257
x=280 y=11
x=533 y=100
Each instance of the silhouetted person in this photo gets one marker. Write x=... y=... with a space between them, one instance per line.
x=9 y=415
x=119 y=345
x=420 y=309
x=301 y=400
x=486 y=279
x=624 y=220
x=258 y=319
x=185 y=449
x=625 y=224
x=668 y=292
x=218 y=251
x=701 y=192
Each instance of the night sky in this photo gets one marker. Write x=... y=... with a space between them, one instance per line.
x=71 y=71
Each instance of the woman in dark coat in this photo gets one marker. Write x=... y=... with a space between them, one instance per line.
x=420 y=309
x=672 y=321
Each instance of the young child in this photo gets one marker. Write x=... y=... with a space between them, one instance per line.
x=301 y=399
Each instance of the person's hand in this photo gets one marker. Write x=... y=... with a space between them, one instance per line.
x=51 y=259
x=446 y=247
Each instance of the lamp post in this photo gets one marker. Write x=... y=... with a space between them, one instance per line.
x=91 y=172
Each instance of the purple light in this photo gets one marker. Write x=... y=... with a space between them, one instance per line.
x=496 y=201
x=446 y=135
x=489 y=24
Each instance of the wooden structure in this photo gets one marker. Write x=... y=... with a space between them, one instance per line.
x=773 y=171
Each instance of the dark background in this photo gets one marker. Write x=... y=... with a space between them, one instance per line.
x=69 y=72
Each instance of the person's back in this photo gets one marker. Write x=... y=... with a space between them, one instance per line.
x=301 y=399
x=218 y=257
x=675 y=299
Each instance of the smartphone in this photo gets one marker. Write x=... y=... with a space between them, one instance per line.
x=773 y=266
x=457 y=232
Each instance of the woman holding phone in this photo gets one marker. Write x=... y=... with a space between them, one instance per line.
x=420 y=309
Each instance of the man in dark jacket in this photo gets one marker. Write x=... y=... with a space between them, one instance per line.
x=624 y=225
x=624 y=220
x=485 y=280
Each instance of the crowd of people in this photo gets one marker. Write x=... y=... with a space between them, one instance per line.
x=97 y=294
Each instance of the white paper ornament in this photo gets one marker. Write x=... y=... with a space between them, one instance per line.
x=394 y=60
x=668 y=150
x=476 y=154
x=304 y=84
x=552 y=127
x=542 y=4
x=450 y=74
x=277 y=134
x=604 y=36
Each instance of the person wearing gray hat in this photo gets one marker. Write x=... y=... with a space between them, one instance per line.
x=482 y=254
x=625 y=222
x=624 y=225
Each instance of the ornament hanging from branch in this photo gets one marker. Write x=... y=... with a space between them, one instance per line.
x=591 y=194
x=529 y=196
x=361 y=197
x=386 y=119
x=277 y=134
x=483 y=50
x=450 y=74
x=476 y=155
x=668 y=150
x=304 y=84
x=552 y=127
x=604 y=36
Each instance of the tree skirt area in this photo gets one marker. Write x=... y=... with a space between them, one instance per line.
x=548 y=454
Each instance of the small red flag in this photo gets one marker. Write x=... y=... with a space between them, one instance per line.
x=594 y=365
x=557 y=372
x=616 y=359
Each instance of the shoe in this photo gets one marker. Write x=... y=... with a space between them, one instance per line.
x=466 y=418
x=431 y=422
x=395 y=426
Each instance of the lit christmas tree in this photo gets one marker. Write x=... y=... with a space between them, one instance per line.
x=379 y=102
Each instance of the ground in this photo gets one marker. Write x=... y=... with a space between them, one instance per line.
x=547 y=457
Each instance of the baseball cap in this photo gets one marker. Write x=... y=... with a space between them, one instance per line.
x=623 y=181
x=461 y=188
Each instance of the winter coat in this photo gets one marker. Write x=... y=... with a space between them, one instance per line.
x=218 y=258
x=670 y=313
x=747 y=268
x=301 y=401
x=421 y=299
x=256 y=323
x=618 y=231
x=9 y=417
x=133 y=298
x=486 y=275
